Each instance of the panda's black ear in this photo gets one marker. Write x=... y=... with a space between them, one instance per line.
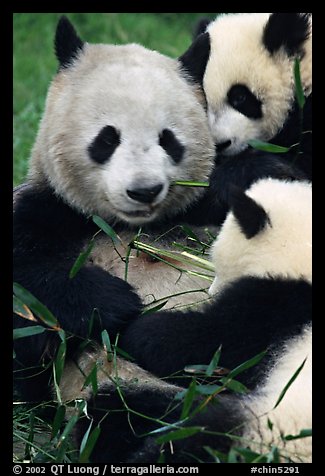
x=287 y=30
x=251 y=217
x=194 y=60
x=201 y=27
x=67 y=43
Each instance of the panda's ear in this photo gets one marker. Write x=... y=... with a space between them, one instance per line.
x=195 y=59
x=201 y=27
x=250 y=216
x=68 y=45
x=287 y=30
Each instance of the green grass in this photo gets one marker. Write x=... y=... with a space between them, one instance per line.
x=34 y=63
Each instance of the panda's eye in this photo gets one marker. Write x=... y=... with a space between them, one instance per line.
x=244 y=101
x=104 y=144
x=169 y=142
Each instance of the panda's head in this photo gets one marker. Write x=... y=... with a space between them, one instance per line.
x=121 y=124
x=268 y=232
x=245 y=62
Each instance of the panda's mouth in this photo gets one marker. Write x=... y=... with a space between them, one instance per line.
x=139 y=213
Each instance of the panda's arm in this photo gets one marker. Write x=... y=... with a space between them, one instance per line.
x=48 y=237
x=248 y=317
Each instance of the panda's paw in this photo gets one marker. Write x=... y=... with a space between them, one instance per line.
x=122 y=305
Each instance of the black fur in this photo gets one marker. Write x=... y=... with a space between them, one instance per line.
x=251 y=216
x=169 y=142
x=48 y=237
x=244 y=101
x=201 y=27
x=68 y=45
x=195 y=59
x=241 y=171
x=249 y=316
x=287 y=30
x=104 y=144
x=119 y=444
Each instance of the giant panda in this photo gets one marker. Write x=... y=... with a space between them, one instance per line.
x=121 y=125
x=245 y=63
x=262 y=303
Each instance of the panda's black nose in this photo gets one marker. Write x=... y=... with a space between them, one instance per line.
x=145 y=195
x=223 y=145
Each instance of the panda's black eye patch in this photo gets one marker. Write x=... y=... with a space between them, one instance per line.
x=104 y=144
x=169 y=142
x=244 y=101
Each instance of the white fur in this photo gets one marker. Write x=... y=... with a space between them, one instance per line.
x=238 y=56
x=294 y=413
x=282 y=249
x=139 y=92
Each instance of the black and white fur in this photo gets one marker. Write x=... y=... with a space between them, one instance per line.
x=245 y=63
x=262 y=303
x=121 y=124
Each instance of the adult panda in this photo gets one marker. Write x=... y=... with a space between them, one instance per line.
x=262 y=303
x=121 y=125
x=245 y=63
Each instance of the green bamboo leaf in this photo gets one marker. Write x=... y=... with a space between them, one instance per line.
x=208 y=389
x=124 y=354
x=249 y=455
x=293 y=378
x=92 y=379
x=234 y=385
x=298 y=85
x=269 y=424
x=302 y=434
x=190 y=183
x=107 y=345
x=218 y=456
x=179 y=434
x=82 y=258
x=267 y=147
x=28 y=331
x=214 y=362
x=151 y=310
x=68 y=428
x=60 y=360
x=106 y=228
x=22 y=310
x=35 y=305
x=58 y=420
x=89 y=445
x=273 y=456
x=191 y=233
x=246 y=365
x=188 y=400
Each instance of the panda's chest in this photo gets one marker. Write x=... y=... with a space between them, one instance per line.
x=156 y=277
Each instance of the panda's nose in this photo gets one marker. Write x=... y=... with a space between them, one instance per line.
x=223 y=145
x=145 y=195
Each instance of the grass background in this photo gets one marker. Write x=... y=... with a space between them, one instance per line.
x=34 y=62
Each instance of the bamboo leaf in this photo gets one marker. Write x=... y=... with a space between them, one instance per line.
x=28 y=331
x=151 y=310
x=302 y=434
x=188 y=400
x=234 y=385
x=246 y=365
x=190 y=183
x=179 y=434
x=106 y=229
x=214 y=362
x=107 y=345
x=298 y=85
x=36 y=306
x=92 y=379
x=208 y=389
x=22 y=310
x=82 y=258
x=88 y=444
x=60 y=361
x=267 y=147
x=58 y=420
x=293 y=378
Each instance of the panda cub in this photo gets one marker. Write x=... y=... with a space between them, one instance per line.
x=262 y=303
x=245 y=63
x=121 y=125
